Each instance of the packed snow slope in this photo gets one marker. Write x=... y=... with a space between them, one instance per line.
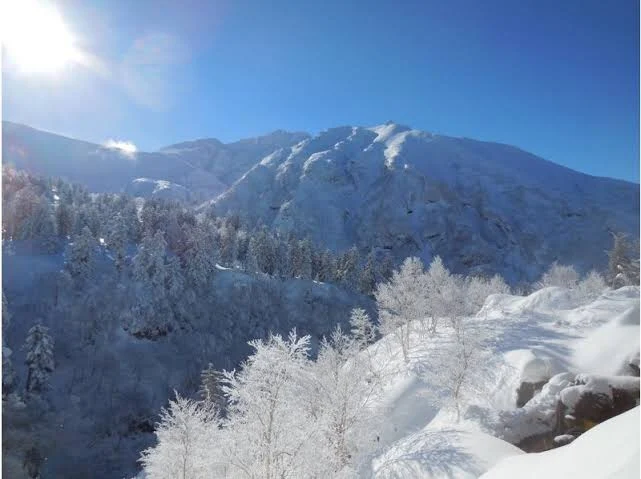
x=205 y=167
x=551 y=335
x=609 y=451
x=483 y=207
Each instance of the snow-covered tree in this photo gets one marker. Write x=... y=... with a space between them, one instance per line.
x=129 y=213
x=477 y=290
x=591 y=287
x=267 y=436
x=460 y=367
x=227 y=245
x=80 y=263
x=152 y=314
x=325 y=268
x=362 y=328
x=117 y=241
x=623 y=266
x=560 y=276
x=342 y=404
x=64 y=219
x=260 y=254
x=347 y=266
x=149 y=264
x=403 y=301
x=444 y=293
x=368 y=277
x=186 y=432
x=200 y=256
x=8 y=373
x=293 y=255
x=211 y=386
x=304 y=265
x=39 y=360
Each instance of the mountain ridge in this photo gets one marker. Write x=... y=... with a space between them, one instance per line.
x=484 y=207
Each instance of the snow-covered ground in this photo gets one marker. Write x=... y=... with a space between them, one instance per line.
x=609 y=450
x=551 y=333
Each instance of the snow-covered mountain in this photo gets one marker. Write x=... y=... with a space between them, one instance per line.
x=230 y=161
x=147 y=188
x=484 y=207
x=204 y=167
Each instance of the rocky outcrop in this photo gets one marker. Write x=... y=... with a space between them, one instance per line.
x=589 y=400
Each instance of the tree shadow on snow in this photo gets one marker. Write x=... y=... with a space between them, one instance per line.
x=433 y=453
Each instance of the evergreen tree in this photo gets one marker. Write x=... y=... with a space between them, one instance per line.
x=227 y=245
x=39 y=359
x=347 y=268
x=200 y=257
x=623 y=268
x=80 y=263
x=367 y=277
x=153 y=313
x=305 y=250
x=327 y=267
x=129 y=214
x=117 y=241
x=64 y=219
x=260 y=254
x=293 y=253
x=8 y=373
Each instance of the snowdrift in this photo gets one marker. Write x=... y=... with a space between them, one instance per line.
x=551 y=339
x=608 y=451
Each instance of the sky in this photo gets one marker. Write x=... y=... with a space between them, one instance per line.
x=557 y=78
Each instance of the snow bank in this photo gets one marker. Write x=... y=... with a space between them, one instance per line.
x=609 y=450
x=532 y=368
x=610 y=348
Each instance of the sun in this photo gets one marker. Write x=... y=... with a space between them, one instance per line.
x=35 y=37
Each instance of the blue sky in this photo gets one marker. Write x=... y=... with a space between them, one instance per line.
x=557 y=78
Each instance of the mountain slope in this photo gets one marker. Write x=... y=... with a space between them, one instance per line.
x=230 y=161
x=482 y=206
x=205 y=167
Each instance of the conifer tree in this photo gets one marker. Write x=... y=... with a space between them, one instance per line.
x=40 y=361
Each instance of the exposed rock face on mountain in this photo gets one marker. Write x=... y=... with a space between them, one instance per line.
x=484 y=207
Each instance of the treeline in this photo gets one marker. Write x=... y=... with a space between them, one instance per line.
x=52 y=211
x=168 y=251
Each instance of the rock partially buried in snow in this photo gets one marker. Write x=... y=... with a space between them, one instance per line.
x=534 y=372
x=563 y=439
x=595 y=399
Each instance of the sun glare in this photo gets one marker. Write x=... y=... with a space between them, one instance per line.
x=35 y=37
